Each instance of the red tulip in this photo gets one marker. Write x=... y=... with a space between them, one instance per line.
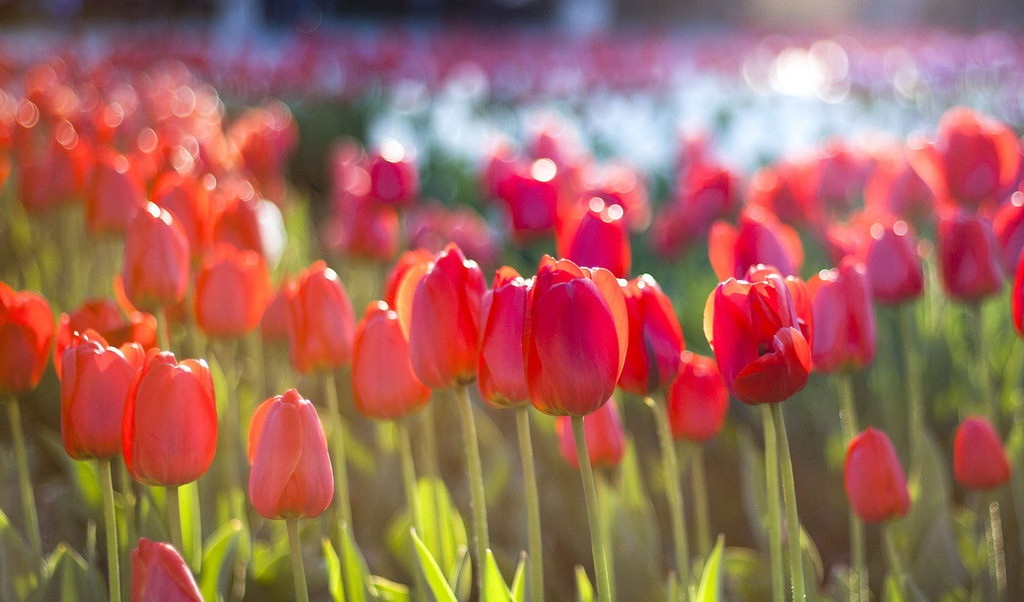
x=894 y=266
x=697 y=399
x=759 y=340
x=968 y=257
x=384 y=385
x=501 y=371
x=973 y=160
x=108 y=320
x=844 y=321
x=232 y=291
x=159 y=574
x=603 y=432
x=59 y=175
x=245 y=220
x=598 y=237
x=322 y=322
x=188 y=201
x=895 y=188
x=531 y=194
x=760 y=238
x=116 y=188
x=575 y=338
x=1008 y=226
x=94 y=386
x=276 y=316
x=655 y=338
x=156 y=259
x=444 y=325
x=416 y=261
x=26 y=332
x=979 y=459
x=291 y=471
x=1017 y=298
x=393 y=177
x=169 y=429
x=874 y=480
x=784 y=190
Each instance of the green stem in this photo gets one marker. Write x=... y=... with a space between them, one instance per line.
x=412 y=499
x=912 y=362
x=163 y=329
x=604 y=493
x=982 y=381
x=670 y=469
x=773 y=494
x=892 y=554
x=110 y=518
x=593 y=512
x=796 y=562
x=428 y=437
x=131 y=519
x=28 y=498
x=338 y=443
x=532 y=502
x=848 y=418
x=699 y=484
x=298 y=570
x=229 y=434
x=174 y=521
x=477 y=504
x=996 y=553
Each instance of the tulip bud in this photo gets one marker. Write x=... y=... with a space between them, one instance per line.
x=760 y=239
x=697 y=399
x=597 y=238
x=875 y=483
x=116 y=189
x=1017 y=298
x=384 y=385
x=575 y=339
x=393 y=177
x=291 y=471
x=844 y=321
x=979 y=459
x=159 y=574
x=169 y=428
x=187 y=200
x=655 y=338
x=894 y=266
x=322 y=322
x=445 y=320
x=26 y=332
x=604 y=434
x=968 y=257
x=276 y=316
x=232 y=290
x=156 y=259
x=501 y=371
x=104 y=317
x=93 y=389
x=531 y=194
x=1008 y=227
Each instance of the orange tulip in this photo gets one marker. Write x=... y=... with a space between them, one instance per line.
x=156 y=259
x=232 y=290
x=322 y=323
x=26 y=332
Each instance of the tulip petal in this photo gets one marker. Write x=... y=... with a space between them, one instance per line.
x=776 y=376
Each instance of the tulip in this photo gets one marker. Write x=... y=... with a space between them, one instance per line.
x=501 y=371
x=397 y=292
x=156 y=259
x=108 y=320
x=159 y=574
x=26 y=332
x=1008 y=227
x=276 y=316
x=94 y=387
x=895 y=187
x=531 y=194
x=169 y=429
x=979 y=459
x=697 y=399
x=655 y=338
x=875 y=484
x=576 y=337
x=444 y=320
x=393 y=177
x=968 y=257
x=232 y=291
x=893 y=264
x=188 y=201
x=844 y=321
x=755 y=331
x=116 y=188
x=598 y=237
x=605 y=437
x=760 y=239
x=322 y=322
x=784 y=190
x=291 y=471
x=249 y=222
x=384 y=385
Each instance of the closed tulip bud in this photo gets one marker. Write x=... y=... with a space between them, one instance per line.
x=760 y=342
x=697 y=400
x=384 y=385
x=116 y=188
x=875 y=483
x=416 y=261
x=156 y=259
x=844 y=321
x=531 y=195
x=322 y=322
x=104 y=317
x=393 y=177
x=444 y=325
x=501 y=371
x=968 y=257
x=159 y=574
x=1008 y=227
x=894 y=266
x=188 y=201
x=291 y=471
x=93 y=389
x=276 y=316
x=575 y=339
x=169 y=428
x=232 y=290
x=597 y=238
x=760 y=239
x=603 y=432
x=26 y=332
x=655 y=338
x=979 y=459
x=1017 y=298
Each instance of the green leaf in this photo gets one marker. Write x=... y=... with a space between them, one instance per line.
x=462 y=576
x=495 y=589
x=68 y=577
x=435 y=578
x=358 y=584
x=17 y=577
x=710 y=589
x=219 y=556
x=752 y=486
x=632 y=526
x=191 y=526
x=584 y=590
x=389 y=591
x=335 y=583
x=746 y=574
x=519 y=580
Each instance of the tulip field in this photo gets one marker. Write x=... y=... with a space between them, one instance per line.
x=387 y=314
